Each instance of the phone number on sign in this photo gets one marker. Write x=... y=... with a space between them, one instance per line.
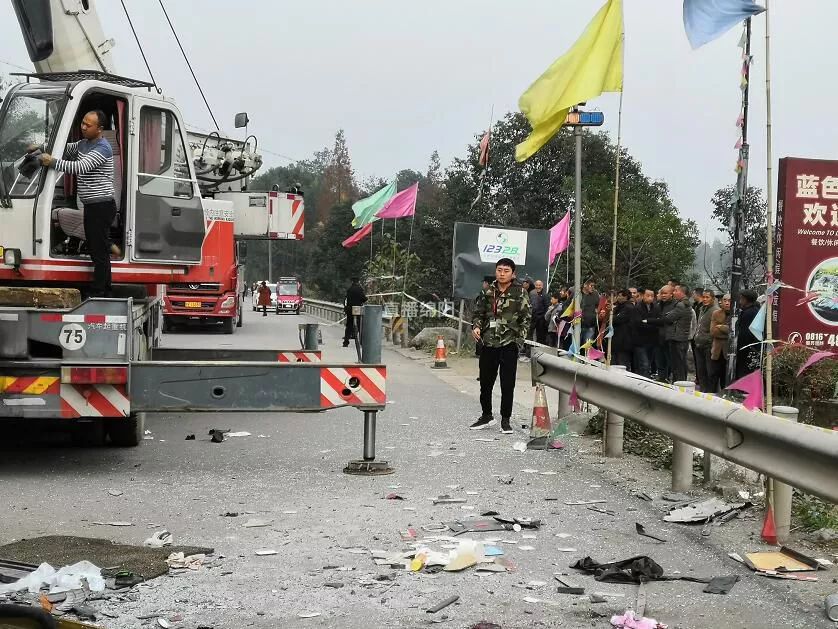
x=509 y=251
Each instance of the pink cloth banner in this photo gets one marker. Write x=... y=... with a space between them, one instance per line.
x=559 y=237
x=752 y=385
x=815 y=358
x=402 y=204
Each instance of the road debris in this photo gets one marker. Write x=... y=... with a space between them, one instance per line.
x=240 y=433
x=115 y=492
x=505 y=480
x=831 y=606
x=721 y=585
x=629 y=621
x=520 y=446
x=179 y=561
x=703 y=511
x=784 y=560
x=631 y=570
x=159 y=539
x=217 y=434
x=673 y=497
x=567 y=585
x=585 y=502
x=641 y=530
x=254 y=523
x=443 y=604
x=265 y=552
x=190 y=437
x=446 y=499
x=113 y=523
x=66 y=578
x=308 y=614
x=164 y=623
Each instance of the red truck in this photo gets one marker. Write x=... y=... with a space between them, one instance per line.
x=211 y=292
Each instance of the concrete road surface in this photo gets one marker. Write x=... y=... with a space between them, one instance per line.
x=324 y=523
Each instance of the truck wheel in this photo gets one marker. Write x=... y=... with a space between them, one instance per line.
x=127 y=432
x=228 y=326
x=89 y=433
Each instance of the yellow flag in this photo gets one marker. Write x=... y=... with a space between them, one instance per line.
x=592 y=66
x=569 y=310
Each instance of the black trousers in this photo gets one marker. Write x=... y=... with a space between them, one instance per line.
x=493 y=360
x=678 y=360
x=97 y=224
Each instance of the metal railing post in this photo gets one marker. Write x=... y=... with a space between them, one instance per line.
x=682 y=453
x=369 y=435
x=782 y=492
x=614 y=429
x=371 y=335
x=309 y=334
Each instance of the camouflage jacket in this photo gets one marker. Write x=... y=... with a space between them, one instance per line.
x=503 y=318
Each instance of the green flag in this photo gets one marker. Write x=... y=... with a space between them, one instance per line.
x=365 y=210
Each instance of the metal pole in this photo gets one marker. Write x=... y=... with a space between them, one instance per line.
x=371 y=323
x=369 y=435
x=270 y=261
x=616 y=424
x=460 y=325
x=782 y=492
x=311 y=336
x=577 y=240
x=769 y=230
x=682 y=453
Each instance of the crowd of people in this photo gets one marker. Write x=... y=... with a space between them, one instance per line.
x=652 y=332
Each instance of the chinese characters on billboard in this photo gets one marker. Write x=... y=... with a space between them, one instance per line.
x=807 y=253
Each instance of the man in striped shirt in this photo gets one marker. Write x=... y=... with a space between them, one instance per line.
x=91 y=160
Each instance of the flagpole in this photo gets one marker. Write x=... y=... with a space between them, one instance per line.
x=614 y=235
x=555 y=268
x=407 y=259
x=395 y=244
x=485 y=172
x=769 y=229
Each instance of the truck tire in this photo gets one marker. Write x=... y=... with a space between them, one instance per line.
x=127 y=432
x=228 y=326
x=88 y=433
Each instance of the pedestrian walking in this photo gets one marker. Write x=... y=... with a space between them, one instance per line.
x=91 y=160
x=679 y=320
x=589 y=305
x=720 y=333
x=622 y=341
x=747 y=345
x=355 y=296
x=501 y=321
x=704 y=341
x=646 y=329
x=539 y=302
x=264 y=298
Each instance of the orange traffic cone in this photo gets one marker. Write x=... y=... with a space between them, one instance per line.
x=540 y=428
x=441 y=355
x=769 y=528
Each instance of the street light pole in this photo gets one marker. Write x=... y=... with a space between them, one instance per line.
x=577 y=242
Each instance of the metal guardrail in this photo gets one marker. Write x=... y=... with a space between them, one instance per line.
x=326 y=310
x=802 y=456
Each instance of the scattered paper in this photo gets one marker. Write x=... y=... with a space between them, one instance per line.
x=308 y=614
x=549 y=473
x=164 y=623
x=291 y=512
x=536 y=584
x=253 y=523
x=528 y=536
x=265 y=552
x=113 y=523
x=115 y=492
x=238 y=434
x=527 y=548
x=530 y=599
x=530 y=471
x=566 y=550
x=435 y=454
x=563 y=535
x=472 y=493
x=520 y=446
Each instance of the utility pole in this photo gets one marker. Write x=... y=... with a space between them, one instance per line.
x=739 y=210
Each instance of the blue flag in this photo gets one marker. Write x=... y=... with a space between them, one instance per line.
x=757 y=326
x=705 y=20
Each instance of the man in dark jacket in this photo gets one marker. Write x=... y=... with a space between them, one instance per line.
x=646 y=329
x=747 y=358
x=622 y=342
x=355 y=296
x=663 y=361
x=539 y=302
x=678 y=322
x=589 y=305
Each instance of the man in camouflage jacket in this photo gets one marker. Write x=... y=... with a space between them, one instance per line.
x=501 y=322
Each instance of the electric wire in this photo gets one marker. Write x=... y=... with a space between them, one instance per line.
x=189 y=65
x=139 y=45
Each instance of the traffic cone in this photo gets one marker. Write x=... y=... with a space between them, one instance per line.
x=540 y=428
x=441 y=355
x=769 y=529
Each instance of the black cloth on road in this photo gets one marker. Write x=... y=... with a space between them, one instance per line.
x=493 y=360
x=97 y=224
x=631 y=570
x=721 y=585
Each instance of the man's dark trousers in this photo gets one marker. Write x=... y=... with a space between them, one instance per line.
x=678 y=360
x=492 y=360
x=97 y=224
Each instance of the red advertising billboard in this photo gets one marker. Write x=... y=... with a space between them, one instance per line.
x=807 y=253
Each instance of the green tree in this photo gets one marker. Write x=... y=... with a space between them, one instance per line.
x=752 y=237
x=338 y=180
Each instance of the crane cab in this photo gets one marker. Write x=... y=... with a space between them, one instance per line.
x=159 y=226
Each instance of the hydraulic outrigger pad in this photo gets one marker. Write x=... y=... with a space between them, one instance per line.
x=368 y=468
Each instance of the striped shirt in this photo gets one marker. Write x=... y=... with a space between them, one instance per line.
x=92 y=162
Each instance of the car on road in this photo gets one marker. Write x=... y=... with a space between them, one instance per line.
x=254 y=299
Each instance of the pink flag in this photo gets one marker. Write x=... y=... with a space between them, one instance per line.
x=559 y=237
x=483 y=160
x=358 y=236
x=752 y=385
x=595 y=354
x=815 y=358
x=401 y=205
x=573 y=400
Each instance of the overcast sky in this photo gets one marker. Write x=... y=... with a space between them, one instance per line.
x=405 y=78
